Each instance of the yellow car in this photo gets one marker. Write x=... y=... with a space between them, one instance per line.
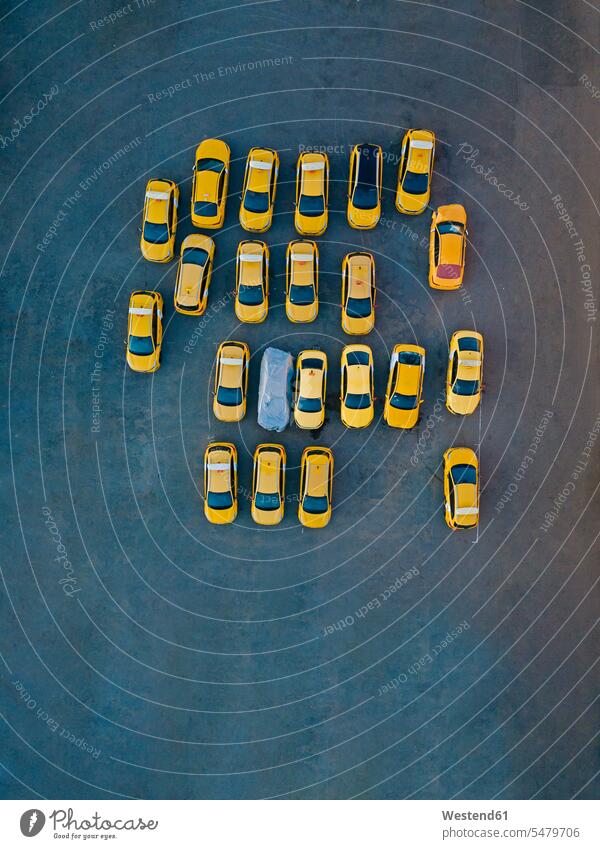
x=405 y=386
x=193 y=274
x=302 y=281
x=447 y=247
x=415 y=171
x=311 y=389
x=220 y=483
x=312 y=193
x=465 y=371
x=260 y=185
x=364 y=186
x=268 y=484
x=358 y=293
x=144 y=331
x=316 y=485
x=231 y=381
x=159 y=220
x=209 y=183
x=461 y=488
x=357 y=390
x=252 y=282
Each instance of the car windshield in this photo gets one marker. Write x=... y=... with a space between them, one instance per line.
x=358 y=307
x=468 y=343
x=358 y=402
x=409 y=358
x=266 y=501
x=357 y=358
x=454 y=227
x=464 y=473
x=219 y=500
x=250 y=296
x=315 y=503
x=309 y=405
x=209 y=164
x=311 y=205
x=195 y=256
x=157 y=234
x=205 y=208
x=415 y=184
x=403 y=402
x=365 y=196
x=302 y=295
x=229 y=396
x=465 y=387
x=141 y=346
x=256 y=201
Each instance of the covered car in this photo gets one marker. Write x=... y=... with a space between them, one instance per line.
x=275 y=389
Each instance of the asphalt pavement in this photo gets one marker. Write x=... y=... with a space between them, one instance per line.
x=148 y=654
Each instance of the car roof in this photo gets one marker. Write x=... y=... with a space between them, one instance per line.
x=313 y=174
x=408 y=379
x=451 y=247
x=219 y=477
x=311 y=378
x=465 y=495
x=259 y=174
x=359 y=276
x=317 y=474
x=207 y=184
x=231 y=365
x=359 y=379
x=419 y=159
x=250 y=258
x=141 y=323
x=268 y=466
x=301 y=269
x=157 y=201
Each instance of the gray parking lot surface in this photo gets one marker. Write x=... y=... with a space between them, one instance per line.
x=147 y=653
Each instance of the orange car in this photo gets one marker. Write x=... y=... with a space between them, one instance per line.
x=447 y=247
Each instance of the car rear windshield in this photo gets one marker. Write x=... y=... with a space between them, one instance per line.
x=309 y=405
x=311 y=205
x=250 y=296
x=358 y=307
x=302 y=295
x=357 y=358
x=156 y=234
x=464 y=473
x=141 y=346
x=468 y=343
x=219 y=500
x=409 y=358
x=267 y=501
x=465 y=387
x=315 y=504
x=205 y=208
x=403 y=402
x=415 y=184
x=312 y=362
x=256 y=201
x=454 y=227
x=195 y=256
x=209 y=164
x=229 y=396
x=358 y=402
